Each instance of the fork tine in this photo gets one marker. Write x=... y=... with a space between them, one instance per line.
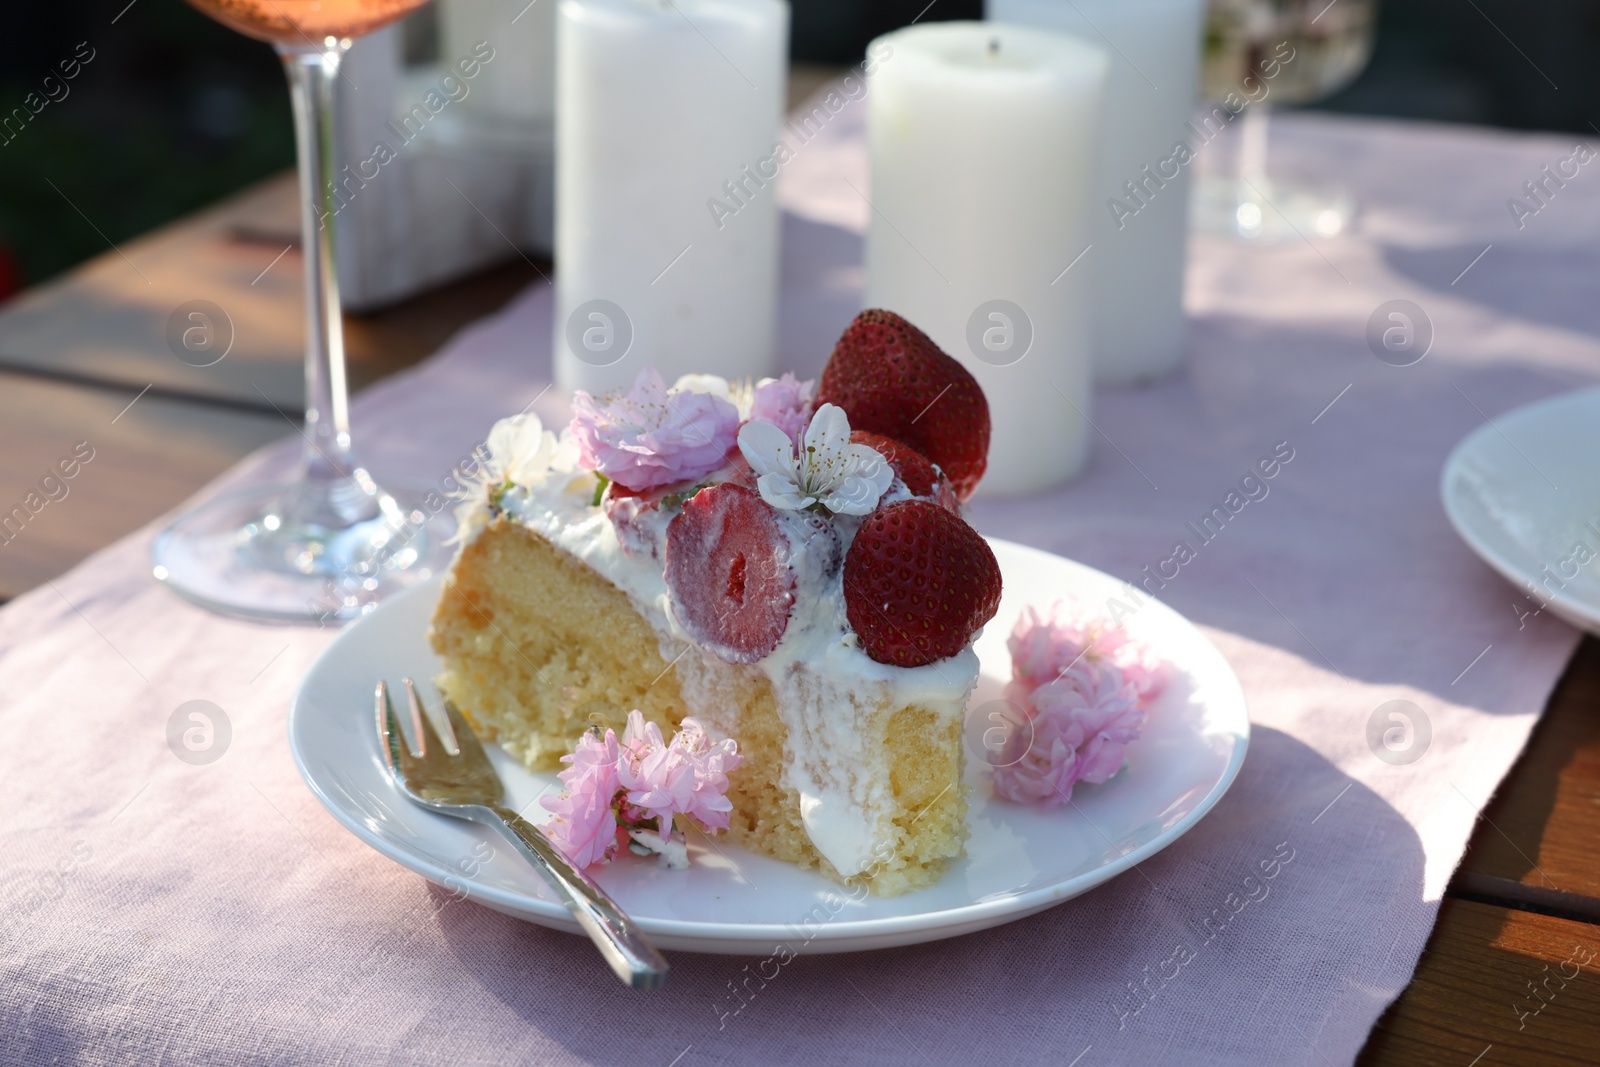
x=387 y=727
x=402 y=749
x=411 y=732
x=437 y=743
x=448 y=735
x=466 y=740
x=428 y=743
x=404 y=763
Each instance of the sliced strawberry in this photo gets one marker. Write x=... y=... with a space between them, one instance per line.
x=918 y=583
x=628 y=509
x=890 y=378
x=922 y=479
x=728 y=570
x=627 y=514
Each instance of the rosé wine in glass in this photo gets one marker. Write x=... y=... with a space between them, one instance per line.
x=298 y=22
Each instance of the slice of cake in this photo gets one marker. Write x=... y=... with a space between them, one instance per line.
x=791 y=573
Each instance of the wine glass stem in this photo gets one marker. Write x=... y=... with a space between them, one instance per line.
x=1253 y=147
x=312 y=73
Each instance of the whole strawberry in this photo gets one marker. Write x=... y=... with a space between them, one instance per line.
x=728 y=569
x=918 y=583
x=890 y=378
x=921 y=477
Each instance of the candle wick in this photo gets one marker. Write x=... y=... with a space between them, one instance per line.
x=994 y=46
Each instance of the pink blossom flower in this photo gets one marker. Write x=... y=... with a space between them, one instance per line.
x=1146 y=671
x=1082 y=723
x=687 y=777
x=707 y=802
x=1044 y=646
x=650 y=437
x=646 y=771
x=585 y=823
x=785 y=402
x=613 y=789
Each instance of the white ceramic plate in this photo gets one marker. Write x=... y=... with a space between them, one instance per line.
x=1524 y=491
x=1019 y=860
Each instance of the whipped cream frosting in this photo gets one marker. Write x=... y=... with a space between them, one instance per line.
x=828 y=691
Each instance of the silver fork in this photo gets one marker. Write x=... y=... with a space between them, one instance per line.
x=450 y=774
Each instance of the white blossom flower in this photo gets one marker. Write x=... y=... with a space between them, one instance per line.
x=518 y=450
x=567 y=454
x=521 y=450
x=845 y=478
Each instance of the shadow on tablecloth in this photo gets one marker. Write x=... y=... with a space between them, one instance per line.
x=1066 y=978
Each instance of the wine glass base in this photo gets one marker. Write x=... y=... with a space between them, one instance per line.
x=238 y=555
x=1270 y=210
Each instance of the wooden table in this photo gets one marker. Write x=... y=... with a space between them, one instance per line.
x=85 y=358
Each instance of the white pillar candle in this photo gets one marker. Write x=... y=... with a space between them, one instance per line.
x=1143 y=196
x=519 y=84
x=667 y=117
x=984 y=144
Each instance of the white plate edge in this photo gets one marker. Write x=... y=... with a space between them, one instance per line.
x=1583 y=616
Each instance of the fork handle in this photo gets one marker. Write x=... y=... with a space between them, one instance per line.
x=633 y=958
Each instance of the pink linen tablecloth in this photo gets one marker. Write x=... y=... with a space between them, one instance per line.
x=158 y=912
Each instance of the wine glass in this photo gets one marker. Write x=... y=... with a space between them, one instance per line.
x=1267 y=53
x=331 y=543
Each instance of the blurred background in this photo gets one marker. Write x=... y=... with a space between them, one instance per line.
x=172 y=111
